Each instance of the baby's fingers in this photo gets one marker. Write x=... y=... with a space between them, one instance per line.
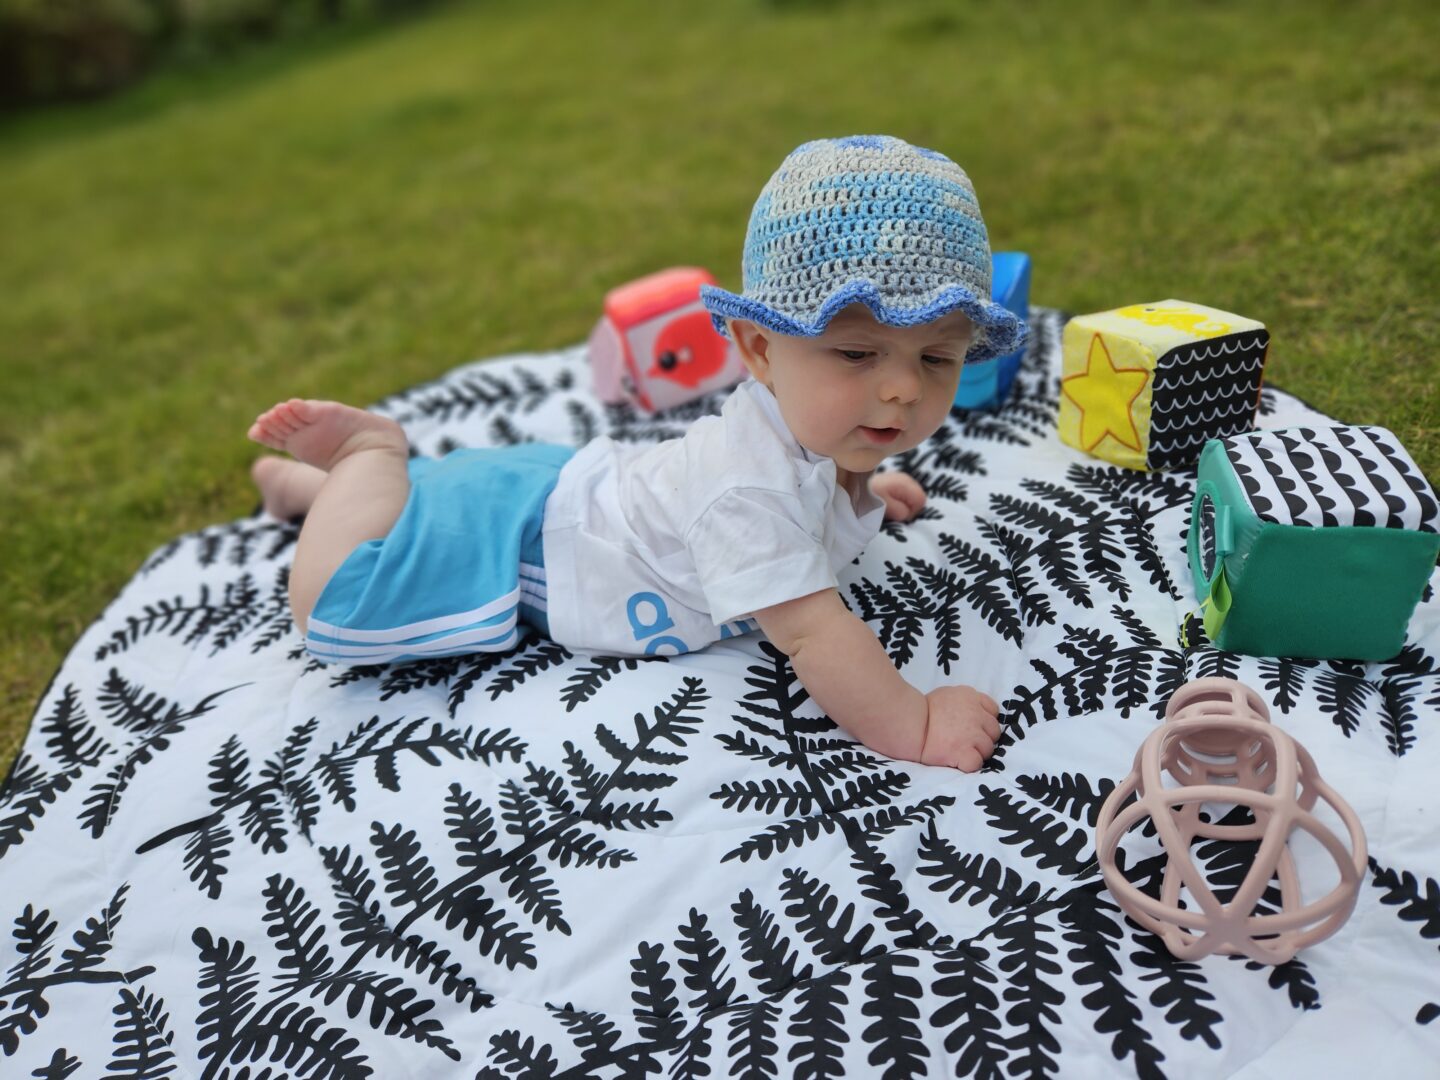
x=969 y=759
x=991 y=726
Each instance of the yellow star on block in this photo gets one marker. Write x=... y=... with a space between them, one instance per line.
x=1104 y=394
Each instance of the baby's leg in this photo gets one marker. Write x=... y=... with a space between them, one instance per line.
x=367 y=483
x=287 y=488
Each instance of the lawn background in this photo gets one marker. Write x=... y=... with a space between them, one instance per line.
x=361 y=211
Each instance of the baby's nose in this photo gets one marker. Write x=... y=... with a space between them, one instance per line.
x=902 y=384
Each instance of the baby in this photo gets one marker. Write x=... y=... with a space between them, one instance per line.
x=866 y=288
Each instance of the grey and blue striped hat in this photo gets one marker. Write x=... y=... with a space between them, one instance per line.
x=874 y=220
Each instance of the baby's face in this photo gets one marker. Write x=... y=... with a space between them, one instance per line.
x=861 y=391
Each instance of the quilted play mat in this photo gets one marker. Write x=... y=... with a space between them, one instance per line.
x=220 y=858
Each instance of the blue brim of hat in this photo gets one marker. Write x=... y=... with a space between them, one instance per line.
x=1001 y=330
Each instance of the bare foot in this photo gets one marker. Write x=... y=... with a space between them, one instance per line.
x=325 y=433
x=287 y=488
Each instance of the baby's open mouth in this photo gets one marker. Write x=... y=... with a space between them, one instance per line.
x=881 y=434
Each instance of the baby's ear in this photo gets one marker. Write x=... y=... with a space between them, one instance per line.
x=754 y=347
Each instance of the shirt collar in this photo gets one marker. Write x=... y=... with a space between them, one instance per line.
x=866 y=505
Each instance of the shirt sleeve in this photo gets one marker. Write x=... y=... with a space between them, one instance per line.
x=755 y=548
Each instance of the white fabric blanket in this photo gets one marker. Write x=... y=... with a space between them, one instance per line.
x=218 y=858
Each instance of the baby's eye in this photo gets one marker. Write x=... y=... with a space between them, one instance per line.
x=853 y=354
x=938 y=361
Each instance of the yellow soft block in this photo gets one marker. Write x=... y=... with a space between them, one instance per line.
x=1146 y=386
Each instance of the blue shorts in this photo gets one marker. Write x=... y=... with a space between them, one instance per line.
x=461 y=567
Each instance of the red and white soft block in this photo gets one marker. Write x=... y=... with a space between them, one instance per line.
x=656 y=347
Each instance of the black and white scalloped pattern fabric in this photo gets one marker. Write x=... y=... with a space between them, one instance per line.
x=1323 y=477
x=219 y=858
x=1204 y=390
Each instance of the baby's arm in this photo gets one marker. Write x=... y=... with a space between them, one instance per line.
x=845 y=669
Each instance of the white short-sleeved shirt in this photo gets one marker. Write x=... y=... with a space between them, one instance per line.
x=665 y=548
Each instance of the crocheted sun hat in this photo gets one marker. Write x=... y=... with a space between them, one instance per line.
x=874 y=220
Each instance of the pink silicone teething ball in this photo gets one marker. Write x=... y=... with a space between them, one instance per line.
x=1217 y=743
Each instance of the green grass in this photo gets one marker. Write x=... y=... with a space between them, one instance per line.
x=348 y=216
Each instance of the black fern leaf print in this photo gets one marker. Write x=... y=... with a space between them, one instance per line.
x=838 y=788
x=228 y=984
x=72 y=742
x=240 y=1018
x=657 y=1012
x=825 y=927
x=552 y=823
x=702 y=959
x=157 y=722
x=362 y=919
x=986 y=585
x=1210 y=663
x=753 y=1046
x=817 y=1026
x=1027 y=418
x=1344 y=693
x=587 y=680
x=23 y=987
x=142 y=1038
x=28 y=792
x=1178 y=989
x=970 y=1014
x=1097 y=938
x=881 y=884
x=384 y=747
x=261 y=818
x=895 y=1035
x=1417 y=902
x=1293 y=976
x=482 y=391
x=1072 y=796
x=1285 y=680
x=70 y=738
x=239 y=609
x=897 y=610
x=60 y=1066
x=1052 y=842
x=774 y=963
x=306 y=966
x=1028 y=960
x=975 y=878
x=536 y=656
x=1035 y=605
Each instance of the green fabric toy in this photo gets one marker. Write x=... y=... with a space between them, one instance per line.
x=1311 y=542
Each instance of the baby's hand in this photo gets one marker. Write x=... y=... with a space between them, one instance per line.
x=963 y=727
x=902 y=494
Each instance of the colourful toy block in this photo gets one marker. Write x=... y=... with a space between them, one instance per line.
x=1146 y=386
x=985 y=383
x=1311 y=542
x=655 y=345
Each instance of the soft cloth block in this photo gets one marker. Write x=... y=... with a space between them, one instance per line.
x=984 y=383
x=1311 y=542
x=656 y=347
x=1145 y=386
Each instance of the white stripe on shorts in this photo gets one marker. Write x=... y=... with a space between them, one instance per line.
x=504 y=644
x=424 y=626
x=489 y=638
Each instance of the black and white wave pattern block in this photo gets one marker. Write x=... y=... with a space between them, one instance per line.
x=219 y=858
x=1204 y=390
x=1328 y=476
